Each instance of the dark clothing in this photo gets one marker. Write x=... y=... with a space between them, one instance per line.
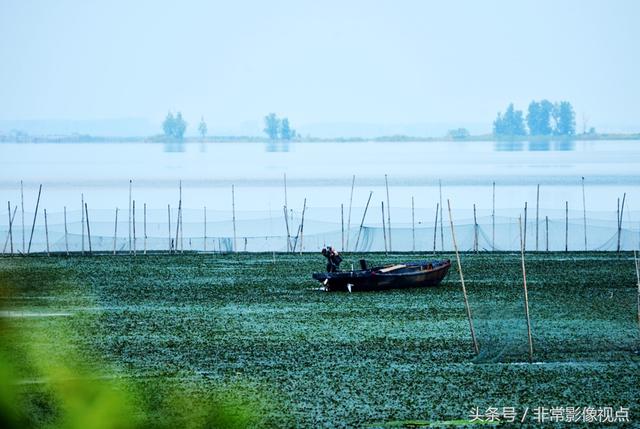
x=333 y=260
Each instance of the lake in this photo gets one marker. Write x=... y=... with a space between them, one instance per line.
x=322 y=173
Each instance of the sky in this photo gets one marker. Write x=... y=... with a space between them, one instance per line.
x=331 y=66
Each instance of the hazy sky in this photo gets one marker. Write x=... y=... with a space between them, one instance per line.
x=382 y=62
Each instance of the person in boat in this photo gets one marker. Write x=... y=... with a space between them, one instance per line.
x=333 y=259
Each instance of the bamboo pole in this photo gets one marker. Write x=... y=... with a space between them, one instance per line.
x=177 y=242
x=35 y=215
x=566 y=226
x=537 y=214
x=526 y=293
x=115 y=232
x=386 y=182
x=9 y=234
x=46 y=231
x=353 y=182
x=493 y=219
x=464 y=289
x=384 y=229
x=413 y=226
x=205 y=229
x=304 y=209
x=233 y=209
x=441 y=218
x=618 y=225
x=524 y=241
x=362 y=222
x=22 y=217
x=584 y=214
x=86 y=209
x=66 y=233
x=180 y=220
x=82 y=219
x=638 y=281
x=130 y=200
x=169 y=223
x=286 y=222
x=435 y=229
x=620 y=219
x=134 y=227
x=342 y=225
x=475 y=229
x=144 y=226
x=546 y=220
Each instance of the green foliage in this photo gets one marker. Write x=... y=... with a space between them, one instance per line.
x=174 y=127
x=565 y=119
x=286 y=133
x=277 y=128
x=202 y=128
x=272 y=126
x=458 y=134
x=539 y=118
x=509 y=124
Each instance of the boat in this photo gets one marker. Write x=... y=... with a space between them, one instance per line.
x=392 y=276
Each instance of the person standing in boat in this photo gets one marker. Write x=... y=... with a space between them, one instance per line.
x=333 y=259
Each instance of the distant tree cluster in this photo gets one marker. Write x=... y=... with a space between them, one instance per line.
x=458 y=134
x=174 y=126
x=544 y=118
x=277 y=128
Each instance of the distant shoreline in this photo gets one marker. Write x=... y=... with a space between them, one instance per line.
x=81 y=138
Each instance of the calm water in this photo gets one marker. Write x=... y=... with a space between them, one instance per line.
x=322 y=173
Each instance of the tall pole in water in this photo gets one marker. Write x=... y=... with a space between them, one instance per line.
x=413 y=226
x=441 y=227
x=233 y=210
x=82 y=219
x=464 y=289
x=35 y=215
x=435 y=229
x=537 y=214
x=342 y=225
x=353 y=182
x=384 y=228
x=130 y=201
x=493 y=219
x=526 y=293
x=386 y=182
x=66 y=233
x=584 y=214
x=22 y=204
x=363 y=217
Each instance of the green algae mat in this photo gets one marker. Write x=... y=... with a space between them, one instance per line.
x=248 y=340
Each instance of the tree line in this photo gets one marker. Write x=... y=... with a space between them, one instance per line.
x=174 y=127
x=544 y=118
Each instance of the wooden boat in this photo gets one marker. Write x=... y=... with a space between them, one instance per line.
x=398 y=276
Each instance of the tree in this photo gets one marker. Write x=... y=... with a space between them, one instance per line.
x=565 y=119
x=286 y=133
x=202 y=128
x=272 y=126
x=167 y=125
x=509 y=124
x=174 y=126
x=539 y=118
x=458 y=134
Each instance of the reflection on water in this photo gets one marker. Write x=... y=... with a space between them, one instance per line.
x=174 y=146
x=540 y=145
x=509 y=146
x=535 y=145
x=277 y=146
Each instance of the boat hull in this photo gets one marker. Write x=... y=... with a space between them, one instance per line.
x=425 y=274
